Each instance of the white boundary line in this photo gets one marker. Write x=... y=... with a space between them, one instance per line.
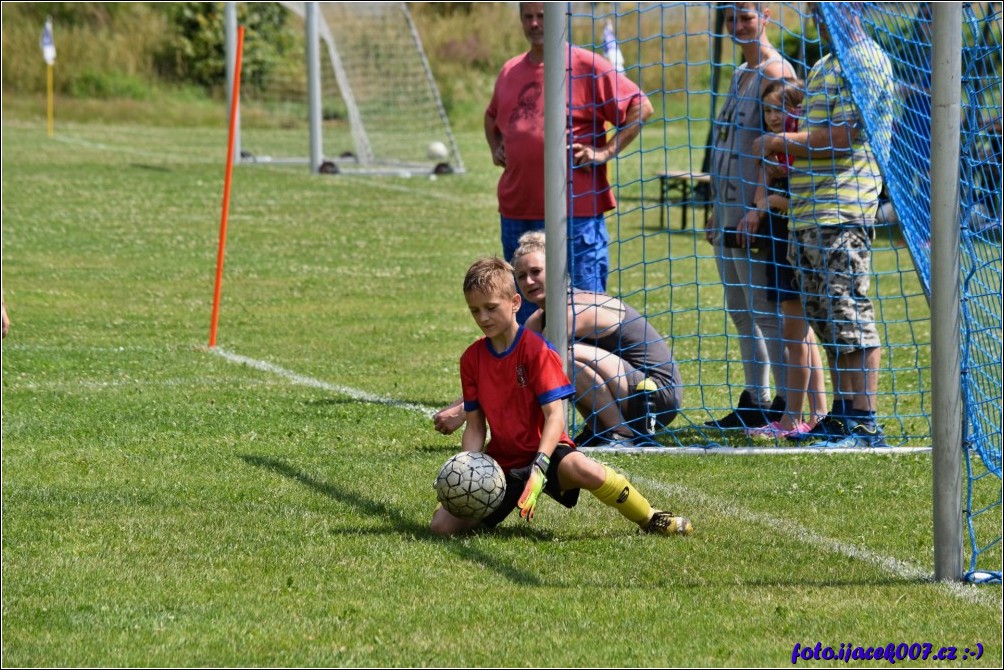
x=888 y=564
x=132 y=151
x=424 y=192
x=713 y=448
x=303 y=380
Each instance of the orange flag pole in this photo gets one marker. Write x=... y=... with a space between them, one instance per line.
x=226 y=187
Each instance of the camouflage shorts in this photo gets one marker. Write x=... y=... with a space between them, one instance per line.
x=833 y=267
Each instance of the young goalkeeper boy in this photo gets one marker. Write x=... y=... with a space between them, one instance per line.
x=513 y=383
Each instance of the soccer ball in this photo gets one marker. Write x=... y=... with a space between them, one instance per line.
x=437 y=151
x=470 y=485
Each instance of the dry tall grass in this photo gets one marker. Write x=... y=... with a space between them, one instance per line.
x=111 y=49
x=116 y=45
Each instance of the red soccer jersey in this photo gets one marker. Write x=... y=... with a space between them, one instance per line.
x=510 y=387
x=600 y=95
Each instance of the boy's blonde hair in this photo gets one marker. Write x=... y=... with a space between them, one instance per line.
x=528 y=243
x=490 y=276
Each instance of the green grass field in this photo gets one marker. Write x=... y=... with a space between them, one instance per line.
x=267 y=503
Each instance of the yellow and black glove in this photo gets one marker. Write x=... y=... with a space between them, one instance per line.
x=534 y=486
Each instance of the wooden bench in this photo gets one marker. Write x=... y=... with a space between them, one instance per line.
x=682 y=185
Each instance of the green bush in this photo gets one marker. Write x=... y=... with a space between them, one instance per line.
x=195 y=49
x=801 y=44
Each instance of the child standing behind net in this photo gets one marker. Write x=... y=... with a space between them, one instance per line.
x=514 y=383
x=781 y=101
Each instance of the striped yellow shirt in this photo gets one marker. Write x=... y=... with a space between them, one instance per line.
x=843 y=188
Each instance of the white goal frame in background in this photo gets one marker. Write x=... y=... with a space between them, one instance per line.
x=370 y=57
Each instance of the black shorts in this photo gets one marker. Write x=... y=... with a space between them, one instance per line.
x=514 y=489
x=781 y=284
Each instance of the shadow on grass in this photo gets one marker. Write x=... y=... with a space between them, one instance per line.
x=398 y=520
x=447 y=449
x=155 y=168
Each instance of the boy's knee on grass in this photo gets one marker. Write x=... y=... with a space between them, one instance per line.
x=445 y=524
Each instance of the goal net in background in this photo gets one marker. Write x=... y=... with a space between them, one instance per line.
x=380 y=107
x=683 y=59
x=904 y=31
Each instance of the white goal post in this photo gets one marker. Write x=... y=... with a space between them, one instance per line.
x=365 y=101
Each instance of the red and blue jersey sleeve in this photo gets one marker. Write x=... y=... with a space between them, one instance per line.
x=549 y=380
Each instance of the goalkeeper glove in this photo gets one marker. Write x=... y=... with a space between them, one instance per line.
x=534 y=486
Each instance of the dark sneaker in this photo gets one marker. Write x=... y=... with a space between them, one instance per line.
x=632 y=441
x=828 y=428
x=747 y=415
x=861 y=436
x=777 y=408
x=665 y=523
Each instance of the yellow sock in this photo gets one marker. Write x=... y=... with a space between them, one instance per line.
x=618 y=493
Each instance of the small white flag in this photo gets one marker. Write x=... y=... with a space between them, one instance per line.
x=611 y=48
x=48 y=46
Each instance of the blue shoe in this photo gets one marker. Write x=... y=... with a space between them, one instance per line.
x=617 y=440
x=861 y=436
x=828 y=428
x=614 y=440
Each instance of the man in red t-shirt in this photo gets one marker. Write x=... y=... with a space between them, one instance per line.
x=514 y=128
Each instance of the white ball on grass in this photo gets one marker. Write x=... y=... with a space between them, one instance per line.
x=437 y=151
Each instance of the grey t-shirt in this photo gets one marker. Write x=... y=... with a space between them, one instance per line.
x=734 y=170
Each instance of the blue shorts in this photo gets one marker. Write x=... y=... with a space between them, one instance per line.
x=588 y=249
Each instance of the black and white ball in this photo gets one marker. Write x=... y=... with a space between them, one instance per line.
x=470 y=485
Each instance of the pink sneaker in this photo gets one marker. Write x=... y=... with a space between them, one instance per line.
x=775 y=430
x=800 y=429
x=772 y=430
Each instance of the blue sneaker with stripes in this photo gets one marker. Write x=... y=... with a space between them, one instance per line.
x=861 y=436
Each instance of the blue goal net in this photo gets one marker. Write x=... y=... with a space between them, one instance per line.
x=740 y=342
x=904 y=31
